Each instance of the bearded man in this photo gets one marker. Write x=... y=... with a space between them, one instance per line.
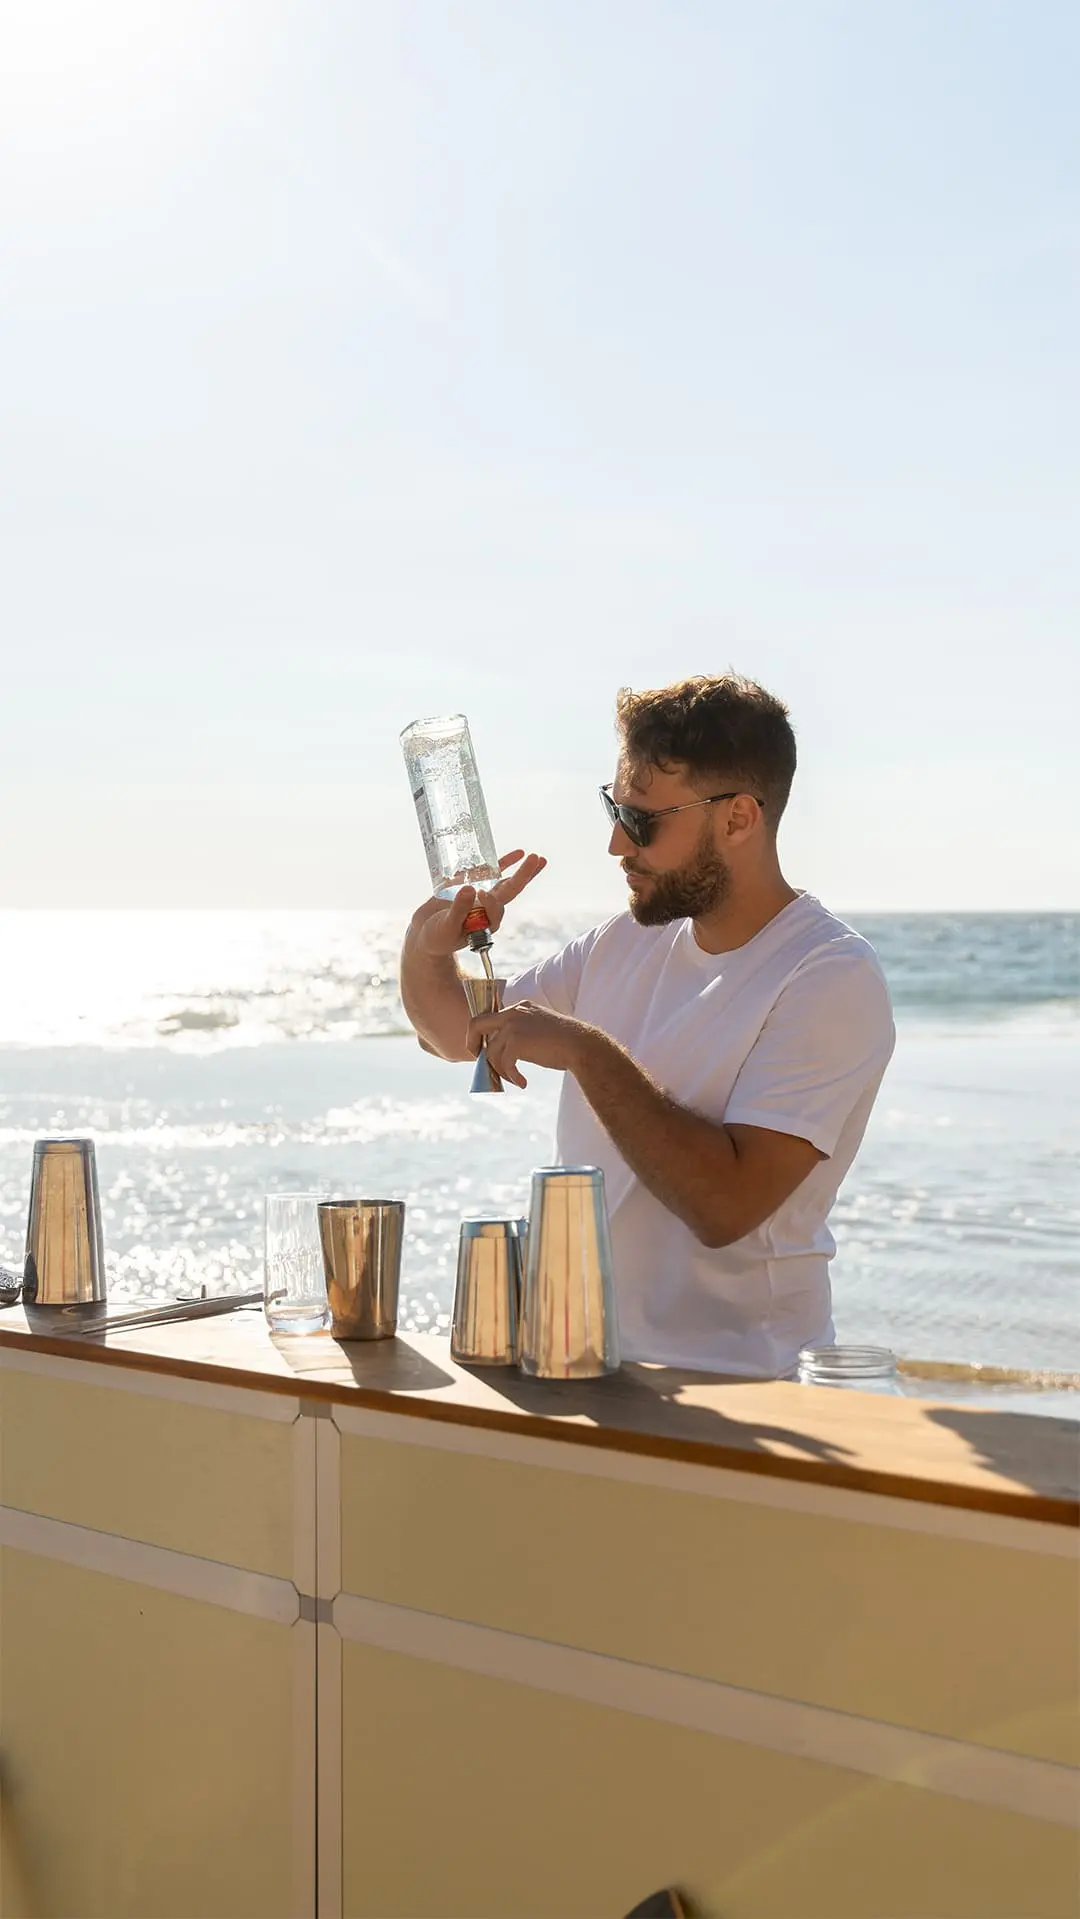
x=722 y=1041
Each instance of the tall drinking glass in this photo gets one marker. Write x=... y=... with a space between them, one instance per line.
x=294 y=1282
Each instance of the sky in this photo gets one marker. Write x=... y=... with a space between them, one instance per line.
x=366 y=361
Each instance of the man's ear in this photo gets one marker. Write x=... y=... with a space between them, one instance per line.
x=743 y=816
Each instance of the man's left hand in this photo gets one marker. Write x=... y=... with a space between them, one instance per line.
x=530 y=1033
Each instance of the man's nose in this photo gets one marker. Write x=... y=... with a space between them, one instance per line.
x=620 y=845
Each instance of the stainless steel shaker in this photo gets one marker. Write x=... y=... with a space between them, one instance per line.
x=361 y=1248
x=487 y=1295
x=65 y=1255
x=568 y=1323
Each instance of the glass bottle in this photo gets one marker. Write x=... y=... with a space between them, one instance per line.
x=453 y=817
x=867 y=1369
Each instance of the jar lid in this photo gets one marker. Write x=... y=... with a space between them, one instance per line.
x=847 y=1362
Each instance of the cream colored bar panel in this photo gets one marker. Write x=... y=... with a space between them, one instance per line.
x=902 y=1627
x=93 y=1366
x=1011 y=1781
x=154 y=1766
x=717 y=1482
x=260 y=1594
x=150 y=1466
x=470 y=1797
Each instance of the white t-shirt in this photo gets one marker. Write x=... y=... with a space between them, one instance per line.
x=792 y=1032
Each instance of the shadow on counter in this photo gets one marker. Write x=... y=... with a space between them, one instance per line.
x=1038 y=1451
x=648 y=1400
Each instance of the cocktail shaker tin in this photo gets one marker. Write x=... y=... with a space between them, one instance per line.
x=487 y=1295
x=65 y=1254
x=361 y=1247
x=568 y=1324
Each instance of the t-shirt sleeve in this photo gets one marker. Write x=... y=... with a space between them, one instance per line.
x=826 y=1042
x=555 y=982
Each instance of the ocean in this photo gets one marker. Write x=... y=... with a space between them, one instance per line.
x=217 y=1056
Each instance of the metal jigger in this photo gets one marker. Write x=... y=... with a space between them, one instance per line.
x=65 y=1259
x=484 y=996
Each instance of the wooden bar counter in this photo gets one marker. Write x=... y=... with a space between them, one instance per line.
x=297 y=1628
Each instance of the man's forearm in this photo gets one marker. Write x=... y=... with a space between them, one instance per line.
x=684 y=1160
x=722 y=1179
x=434 y=1000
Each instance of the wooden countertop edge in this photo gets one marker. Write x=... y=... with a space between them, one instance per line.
x=1056 y=1511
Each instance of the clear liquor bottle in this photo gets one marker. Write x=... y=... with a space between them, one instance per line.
x=450 y=807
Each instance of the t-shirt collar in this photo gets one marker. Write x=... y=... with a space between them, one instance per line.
x=700 y=957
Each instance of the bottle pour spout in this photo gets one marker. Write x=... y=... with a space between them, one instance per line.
x=478 y=927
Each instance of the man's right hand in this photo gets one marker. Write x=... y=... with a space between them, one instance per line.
x=438 y=927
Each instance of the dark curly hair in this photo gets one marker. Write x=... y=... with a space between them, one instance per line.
x=725 y=730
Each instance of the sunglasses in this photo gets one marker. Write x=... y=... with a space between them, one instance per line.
x=638 y=822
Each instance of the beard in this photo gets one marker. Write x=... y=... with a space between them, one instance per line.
x=698 y=887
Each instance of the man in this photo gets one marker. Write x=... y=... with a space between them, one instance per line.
x=722 y=1041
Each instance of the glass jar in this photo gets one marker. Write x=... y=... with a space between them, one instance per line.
x=866 y=1369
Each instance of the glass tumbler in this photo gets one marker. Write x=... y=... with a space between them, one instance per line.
x=294 y=1281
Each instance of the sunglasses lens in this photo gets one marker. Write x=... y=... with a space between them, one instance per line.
x=635 y=825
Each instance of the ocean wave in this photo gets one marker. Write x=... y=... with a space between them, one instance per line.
x=202 y=982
